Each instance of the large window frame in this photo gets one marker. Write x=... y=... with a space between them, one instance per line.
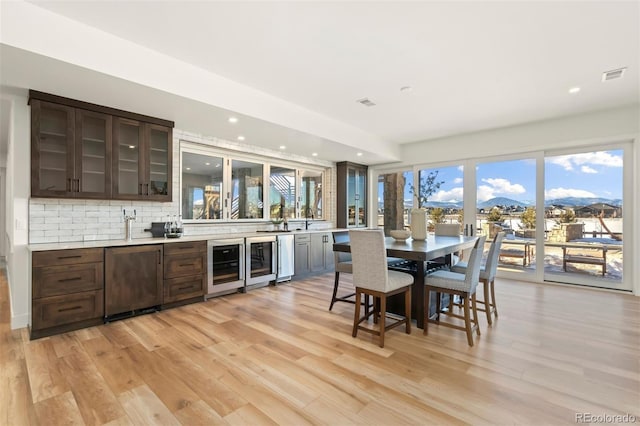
x=225 y=200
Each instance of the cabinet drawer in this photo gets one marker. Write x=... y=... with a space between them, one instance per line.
x=67 y=279
x=60 y=310
x=302 y=238
x=181 y=265
x=183 y=288
x=188 y=247
x=66 y=257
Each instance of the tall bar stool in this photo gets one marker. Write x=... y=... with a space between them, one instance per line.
x=372 y=277
x=343 y=264
x=463 y=285
x=487 y=276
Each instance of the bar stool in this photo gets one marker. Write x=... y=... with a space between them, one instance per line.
x=487 y=276
x=372 y=277
x=453 y=283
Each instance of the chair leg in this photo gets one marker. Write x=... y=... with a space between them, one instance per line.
x=376 y=309
x=383 y=312
x=407 y=310
x=467 y=320
x=487 y=300
x=493 y=298
x=425 y=330
x=474 y=309
x=356 y=313
x=335 y=290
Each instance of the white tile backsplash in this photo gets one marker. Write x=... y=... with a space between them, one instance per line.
x=70 y=220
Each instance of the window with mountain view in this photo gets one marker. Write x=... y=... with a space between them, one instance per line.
x=506 y=194
x=584 y=218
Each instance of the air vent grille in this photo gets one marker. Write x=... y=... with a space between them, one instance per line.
x=613 y=74
x=366 y=102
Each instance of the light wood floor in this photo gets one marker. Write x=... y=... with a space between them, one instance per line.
x=277 y=356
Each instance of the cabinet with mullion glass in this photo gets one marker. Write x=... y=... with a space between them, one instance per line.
x=70 y=151
x=141 y=161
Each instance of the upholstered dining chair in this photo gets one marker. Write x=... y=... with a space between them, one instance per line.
x=343 y=264
x=453 y=283
x=445 y=230
x=372 y=277
x=487 y=276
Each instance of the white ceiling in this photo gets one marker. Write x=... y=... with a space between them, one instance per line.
x=472 y=65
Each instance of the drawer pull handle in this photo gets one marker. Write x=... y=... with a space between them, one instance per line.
x=185 y=288
x=185 y=247
x=70 y=279
x=70 y=257
x=74 y=308
x=186 y=264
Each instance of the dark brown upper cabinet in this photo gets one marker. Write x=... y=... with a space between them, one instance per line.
x=82 y=150
x=141 y=161
x=70 y=152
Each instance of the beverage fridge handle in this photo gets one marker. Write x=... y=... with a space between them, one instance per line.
x=241 y=264
x=274 y=257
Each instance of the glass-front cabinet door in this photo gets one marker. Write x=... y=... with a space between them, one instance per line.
x=52 y=148
x=158 y=162
x=142 y=161
x=127 y=159
x=93 y=154
x=352 y=195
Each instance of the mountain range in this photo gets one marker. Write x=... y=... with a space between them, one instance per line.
x=503 y=201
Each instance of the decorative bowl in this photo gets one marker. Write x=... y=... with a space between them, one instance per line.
x=400 y=234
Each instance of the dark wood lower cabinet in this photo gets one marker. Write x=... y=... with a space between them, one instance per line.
x=67 y=290
x=133 y=278
x=185 y=272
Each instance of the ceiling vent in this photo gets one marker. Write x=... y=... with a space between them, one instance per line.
x=366 y=102
x=613 y=74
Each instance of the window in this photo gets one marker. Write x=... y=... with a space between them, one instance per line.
x=282 y=193
x=246 y=189
x=311 y=194
x=202 y=177
x=225 y=185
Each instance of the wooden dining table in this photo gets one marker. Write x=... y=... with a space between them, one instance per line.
x=419 y=252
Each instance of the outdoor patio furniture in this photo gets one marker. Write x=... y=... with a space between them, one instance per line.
x=600 y=257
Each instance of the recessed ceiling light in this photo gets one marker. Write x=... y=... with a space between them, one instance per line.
x=574 y=90
x=188 y=168
x=217 y=164
x=359 y=154
x=132 y=146
x=315 y=154
x=406 y=88
x=207 y=164
x=240 y=138
x=283 y=147
x=233 y=119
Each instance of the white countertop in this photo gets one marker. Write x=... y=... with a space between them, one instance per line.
x=184 y=238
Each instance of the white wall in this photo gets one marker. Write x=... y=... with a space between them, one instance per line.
x=17 y=196
x=3 y=211
x=616 y=125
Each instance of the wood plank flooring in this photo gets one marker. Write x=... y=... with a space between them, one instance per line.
x=276 y=355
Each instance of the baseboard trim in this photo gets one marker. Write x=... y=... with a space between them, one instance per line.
x=19 y=321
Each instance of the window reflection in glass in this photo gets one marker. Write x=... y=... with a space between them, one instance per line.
x=311 y=194
x=282 y=193
x=201 y=186
x=246 y=188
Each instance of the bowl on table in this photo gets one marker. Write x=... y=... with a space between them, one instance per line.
x=400 y=234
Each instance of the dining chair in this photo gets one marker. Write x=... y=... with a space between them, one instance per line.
x=343 y=264
x=487 y=276
x=372 y=277
x=453 y=283
x=445 y=230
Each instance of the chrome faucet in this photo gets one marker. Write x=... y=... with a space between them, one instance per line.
x=128 y=224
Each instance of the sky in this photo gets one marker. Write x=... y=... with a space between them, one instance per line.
x=589 y=174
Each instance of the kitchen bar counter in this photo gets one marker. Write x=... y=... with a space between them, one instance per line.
x=145 y=241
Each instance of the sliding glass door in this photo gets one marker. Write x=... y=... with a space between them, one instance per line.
x=584 y=218
x=562 y=211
